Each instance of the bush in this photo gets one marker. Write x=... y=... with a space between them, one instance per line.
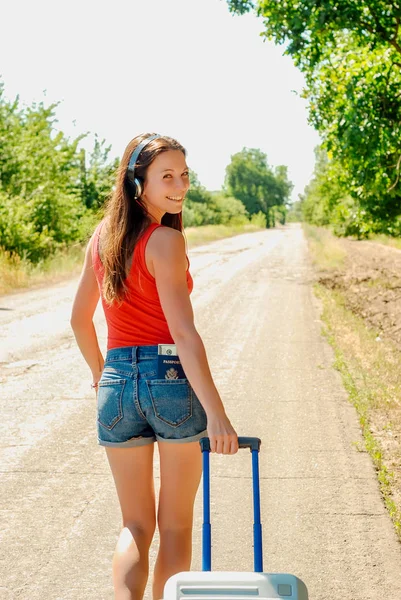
x=349 y=219
x=35 y=228
x=46 y=187
x=259 y=219
x=197 y=213
x=229 y=210
x=218 y=209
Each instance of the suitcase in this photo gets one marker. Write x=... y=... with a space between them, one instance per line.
x=225 y=585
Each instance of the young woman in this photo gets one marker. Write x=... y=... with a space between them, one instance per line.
x=136 y=262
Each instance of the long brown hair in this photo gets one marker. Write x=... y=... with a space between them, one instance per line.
x=127 y=218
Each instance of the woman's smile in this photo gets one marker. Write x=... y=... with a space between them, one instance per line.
x=175 y=198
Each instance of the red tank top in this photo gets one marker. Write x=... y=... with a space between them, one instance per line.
x=139 y=320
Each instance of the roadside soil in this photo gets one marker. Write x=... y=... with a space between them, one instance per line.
x=371 y=284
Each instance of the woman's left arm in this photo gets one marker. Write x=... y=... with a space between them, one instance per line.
x=83 y=309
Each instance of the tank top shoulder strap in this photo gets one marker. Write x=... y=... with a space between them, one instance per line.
x=140 y=246
x=95 y=243
x=144 y=238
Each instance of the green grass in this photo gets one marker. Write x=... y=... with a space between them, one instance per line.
x=326 y=251
x=197 y=236
x=370 y=367
x=18 y=274
x=371 y=374
x=395 y=242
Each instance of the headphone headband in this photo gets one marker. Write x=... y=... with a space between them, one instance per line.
x=137 y=151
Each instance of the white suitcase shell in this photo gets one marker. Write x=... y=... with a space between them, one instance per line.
x=225 y=585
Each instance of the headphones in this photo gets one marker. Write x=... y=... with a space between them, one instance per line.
x=131 y=166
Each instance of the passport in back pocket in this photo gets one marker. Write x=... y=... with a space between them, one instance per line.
x=168 y=364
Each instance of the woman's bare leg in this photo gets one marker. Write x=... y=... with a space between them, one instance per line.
x=180 y=474
x=132 y=470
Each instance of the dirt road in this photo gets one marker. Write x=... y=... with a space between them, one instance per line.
x=323 y=518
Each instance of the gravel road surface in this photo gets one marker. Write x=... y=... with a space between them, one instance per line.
x=322 y=513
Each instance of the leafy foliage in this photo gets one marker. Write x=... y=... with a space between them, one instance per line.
x=45 y=187
x=260 y=188
x=203 y=207
x=356 y=105
x=309 y=27
x=350 y=53
x=97 y=179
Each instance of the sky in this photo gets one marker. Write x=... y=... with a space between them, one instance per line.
x=188 y=69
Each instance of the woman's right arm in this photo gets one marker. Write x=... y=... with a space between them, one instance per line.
x=167 y=254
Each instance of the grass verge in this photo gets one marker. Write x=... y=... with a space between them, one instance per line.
x=18 y=274
x=370 y=367
x=371 y=373
x=394 y=242
x=326 y=251
x=197 y=236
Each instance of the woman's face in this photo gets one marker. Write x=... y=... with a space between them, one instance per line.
x=166 y=183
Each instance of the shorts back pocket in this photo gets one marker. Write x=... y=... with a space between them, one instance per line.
x=109 y=402
x=171 y=399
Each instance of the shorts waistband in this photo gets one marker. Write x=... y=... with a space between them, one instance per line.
x=133 y=353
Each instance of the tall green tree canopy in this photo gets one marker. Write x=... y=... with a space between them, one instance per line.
x=308 y=26
x=45 y=185
x=355 y=103
x=250 y=179
x=97 y=174
x=350 y=53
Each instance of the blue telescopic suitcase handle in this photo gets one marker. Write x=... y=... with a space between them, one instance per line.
x=254 y=445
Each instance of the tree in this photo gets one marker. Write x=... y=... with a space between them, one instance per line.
x=197 y=192
x=309 y=27
x=350 y=53
x=228 y=210
x=355 y=104
x=324 y=192
x=44 y=184
x=97 y=179
x=250 y=179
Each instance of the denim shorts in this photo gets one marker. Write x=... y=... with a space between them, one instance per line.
x=135 y=408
